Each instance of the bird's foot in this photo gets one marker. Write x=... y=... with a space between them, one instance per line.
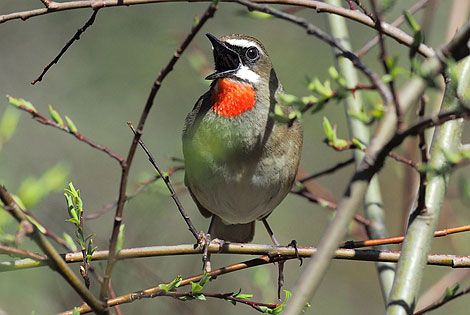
x=293 y=243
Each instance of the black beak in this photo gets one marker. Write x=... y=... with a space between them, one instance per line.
x=226 y=60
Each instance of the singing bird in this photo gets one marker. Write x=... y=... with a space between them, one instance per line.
x=240 y=162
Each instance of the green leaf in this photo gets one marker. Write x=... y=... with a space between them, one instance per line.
x=410 y=20
x=200 y=296
x=259 y=15
x=195 y=287
x=450 y=292
x=278 y=310
x=206 y=277
x=174 y=284
x=358 y=144
x=329 y=132
x=70 y=124
x=278 y=115
x=8 y=124
x=55 y=116
x=69 y=240
x=265 y=309
x=333 y=72
x=19 y=102
x=120 y=238
x=76 y=311
x=41 y=228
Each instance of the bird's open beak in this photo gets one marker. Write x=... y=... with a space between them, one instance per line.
x=226 y=60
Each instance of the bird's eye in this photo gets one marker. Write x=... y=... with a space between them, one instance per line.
x=252 y=53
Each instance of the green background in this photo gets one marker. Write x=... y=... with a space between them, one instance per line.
x=103 y=81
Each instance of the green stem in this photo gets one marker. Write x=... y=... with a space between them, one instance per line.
x=421 y=227
x=373 y=208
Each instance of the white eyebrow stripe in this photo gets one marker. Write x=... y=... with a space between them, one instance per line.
x=243 y=43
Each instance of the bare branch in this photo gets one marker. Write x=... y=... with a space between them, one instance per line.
x=69 y=43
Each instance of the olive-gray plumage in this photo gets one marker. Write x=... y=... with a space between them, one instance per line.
x=238 y=169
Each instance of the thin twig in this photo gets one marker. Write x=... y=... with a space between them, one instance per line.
x=328 y=204
x=442 y=302
x=168 y=184
x=399 y=239
x=69 y=43
x=368 y=46
x=21 y=253
x=364 y=9
x=125 y=169
x=350 y=145
x=43 y=120
x=330 y=170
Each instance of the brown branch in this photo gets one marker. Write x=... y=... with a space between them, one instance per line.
x=350 y=145
x=364 y=9
x=125 y=169
x=75 y=37
x=168 y=184
x=399 y=239
x=43 y=120
x=416 y=7
x=442 y=302
x=328 y=204
x=330 y=170
x=21 y=253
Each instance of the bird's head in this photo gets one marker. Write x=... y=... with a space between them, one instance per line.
x=240 y=58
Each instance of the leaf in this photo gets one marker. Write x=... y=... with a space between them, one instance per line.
x=8 y=124
x=69 y=240
x=174 y=284
x=55 y=116
x=19 y=102
x=70 y=124
x=195 y=287
x=120 y=238
x=76 y=311
x=358 y=144
x=278 y=310
x=200 y=296
x=450 y=292
x=329 y=132
x=206 y=277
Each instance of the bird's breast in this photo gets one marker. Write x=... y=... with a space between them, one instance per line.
x=231 y=99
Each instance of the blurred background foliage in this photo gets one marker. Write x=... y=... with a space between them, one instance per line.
x=103 y=81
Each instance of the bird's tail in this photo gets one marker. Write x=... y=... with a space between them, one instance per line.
x=235 y=233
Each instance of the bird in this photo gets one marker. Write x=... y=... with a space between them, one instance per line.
x=240 y=162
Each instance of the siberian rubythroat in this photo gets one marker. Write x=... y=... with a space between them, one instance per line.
x=240 y=162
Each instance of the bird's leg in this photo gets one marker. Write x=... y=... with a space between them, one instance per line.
x=206 y=256
x=280 y=279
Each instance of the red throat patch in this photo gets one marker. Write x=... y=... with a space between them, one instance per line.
x=232 y=99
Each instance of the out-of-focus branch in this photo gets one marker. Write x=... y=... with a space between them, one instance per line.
x=383 y=142
x=55 y=260
x=424 y=218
